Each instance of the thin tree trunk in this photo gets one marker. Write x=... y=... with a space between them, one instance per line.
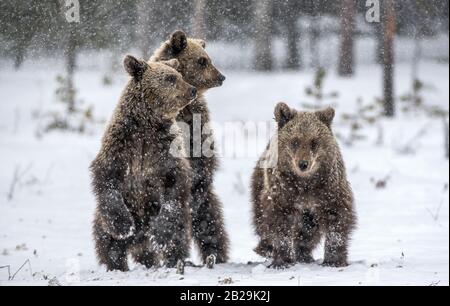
x=346 y=63
x=446 y=138
x=294 y=60
x=263 y=35
x=379 y=55
x=19 y=56
x=417 y=55
x=389 y=29
x=21 y=47
x=144 y=13
x=315 y=33
x=379 y=36
x=71 y=58
x=199 y=19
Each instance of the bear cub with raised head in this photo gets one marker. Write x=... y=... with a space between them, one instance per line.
x=306 y=196
x=142 y=189
x=196 y=67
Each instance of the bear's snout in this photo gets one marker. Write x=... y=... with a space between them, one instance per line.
x=303 y=165
x=193 y=92
x=222 y=79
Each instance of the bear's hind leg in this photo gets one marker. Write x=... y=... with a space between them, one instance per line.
x=171 y=233
x=264 y=249
x=208 y=226
x=304 y=255
x=110 y=252
x=143 y=255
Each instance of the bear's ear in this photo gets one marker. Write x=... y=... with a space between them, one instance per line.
x=178 y=42
x=283 y=114
x=173 y=63
x=326 y=116
x=134 y=67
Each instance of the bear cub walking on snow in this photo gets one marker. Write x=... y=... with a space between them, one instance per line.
x=142 y=190
x=306 y=196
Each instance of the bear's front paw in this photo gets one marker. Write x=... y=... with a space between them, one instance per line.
x=335 y=263
x=335 y=259
x=211 y=261
x=120 y=226
x=279 y=264
x=264 y=249
x=305 y=259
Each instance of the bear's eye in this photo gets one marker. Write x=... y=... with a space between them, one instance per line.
x=295 y=144
x=314 y=145
x=171 y=79
x=203 y=61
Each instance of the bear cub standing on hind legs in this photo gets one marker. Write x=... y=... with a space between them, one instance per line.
x=197 y=69
x=306 y=196
x=142 y=190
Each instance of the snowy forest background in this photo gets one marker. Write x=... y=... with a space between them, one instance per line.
x=388 y=80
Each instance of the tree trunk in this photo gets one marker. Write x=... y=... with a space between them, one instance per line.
x=379 y=54
x=379 y=36
x=263 y=35
x=389 y=29
x=71 y=58
x=346 y=63
x=417 y=54
x=20 y=51
x=415 y=78
x=315 y=33
x=200 y=19
x=294 y=60
x=446 y=138
x=144 y=31
x=19 y=56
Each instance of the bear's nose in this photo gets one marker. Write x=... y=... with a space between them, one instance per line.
x=194 y=92
x=222 y=78
x=303 y=165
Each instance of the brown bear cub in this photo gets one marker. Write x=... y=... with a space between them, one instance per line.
x=142 y=190
x=306 y=197
x=207 y=217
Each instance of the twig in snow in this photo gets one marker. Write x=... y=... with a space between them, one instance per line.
x=9 y=271
x=226 y=281
x=408 y=148
x=24 y=264
x=14 y=182
x=437 y=213
x=11 y=277
x=16 y=120
x=54 y=282
x=382 y=183
x=16 y=179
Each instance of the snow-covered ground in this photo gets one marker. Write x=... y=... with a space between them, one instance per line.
x=46 y=212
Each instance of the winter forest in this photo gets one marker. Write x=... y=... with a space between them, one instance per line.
x=381 y=65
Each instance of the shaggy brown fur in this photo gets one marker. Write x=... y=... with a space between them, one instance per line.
x=307 y=196
x=207 y=216
x=142 y=190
